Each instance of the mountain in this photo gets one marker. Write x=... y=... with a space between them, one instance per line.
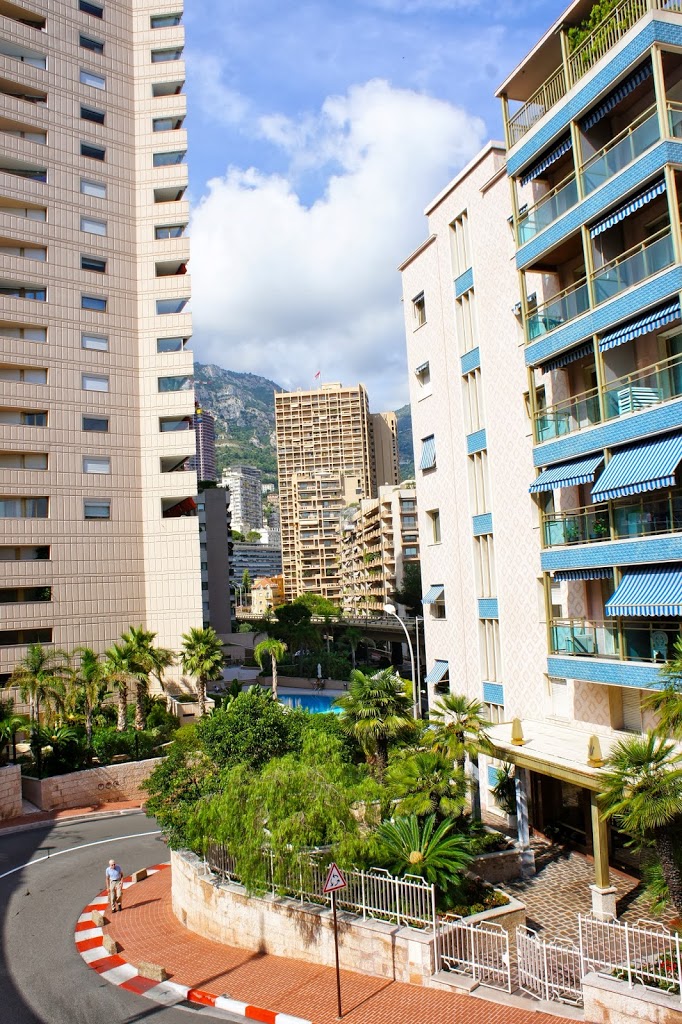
x=243 y=406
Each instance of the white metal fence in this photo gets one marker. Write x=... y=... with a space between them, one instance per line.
x=479 y=950
x=548 y=969
x=645 y=953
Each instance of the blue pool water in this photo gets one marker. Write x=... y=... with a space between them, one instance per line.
x=315 y=702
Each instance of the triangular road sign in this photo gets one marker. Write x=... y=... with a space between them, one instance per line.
x=335 y=879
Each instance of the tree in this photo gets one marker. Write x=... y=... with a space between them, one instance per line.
x=202 y=657
x=376 y=710
x=237 y=535
x=251 y=729
x=119 y=672
x=41 y=677
x=145 y=660
x=427 y=783
x=642 y=793
x=275 y=650
x=318 y=605
x=667 y=703
x=10 y=725
x=410 y=592
x=436 y=853
x=253 y=536
x=86 y=685
x=461 y=733
x=353 y=637
x=182 y=778
x=246 y=581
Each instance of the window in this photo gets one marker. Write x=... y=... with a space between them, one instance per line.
x=489 y=638
x=438 y=608
x=96 y=423
x=24 y=252
x=23 y=417
x=19 y=637
x=419 y=310
x=484 y=566
x=25 y=333
x=167 y=88
x=459 y=240
x=32 y=173
x=30 y=212
x=93 y=227
x=464 y=316
x=25 y=374
x=169 y=195
x=98 y=342
x=167 y=124
x=433 y=519
x=94 y=302
x=473 y=406
x=89 y=78
x=23 y=508
x=170 y=344
x=93 y=188
x=93 y=152
x=161 y=56
x=428 y=459
x=410 y=552
x=167 y=423
x=24 y=595
x=97 y=509
x=92 y=114
x=96 y=464
x=96 y=45
x=19 y=292
x=176 y=383
x=632 y=709
x=164 y=306
x=169 y=231
x=93 y=263
x=167 y=159
x=89 y=8
x=479 y=485
x=24 y=554
x=423 y=375
x=94 y=382
x=558 y=698
x=22 y=460
x=165 y=20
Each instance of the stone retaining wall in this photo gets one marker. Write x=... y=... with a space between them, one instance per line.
x=105 y=784
x=612 y=1002
x=499 y=866
x=10 y=792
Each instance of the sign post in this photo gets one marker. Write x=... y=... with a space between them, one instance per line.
x=335 y=881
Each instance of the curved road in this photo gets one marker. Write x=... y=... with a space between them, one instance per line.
x=43 y=980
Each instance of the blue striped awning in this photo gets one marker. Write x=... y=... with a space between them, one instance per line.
x=642 y=325
x=435 y=675
x=433 y=594
x=573 y=354
x=568 y=474
x=582 y=574
x=644 y=467
x=547 y=160
x=650 y=592
x=428 y=459
x=623 y=211
x=612 y=100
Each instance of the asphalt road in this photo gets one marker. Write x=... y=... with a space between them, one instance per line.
x=43 y=979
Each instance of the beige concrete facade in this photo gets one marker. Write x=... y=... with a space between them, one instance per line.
x=107 y=225
x=266 y=593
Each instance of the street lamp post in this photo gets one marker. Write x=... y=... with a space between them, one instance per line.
x=390 y=610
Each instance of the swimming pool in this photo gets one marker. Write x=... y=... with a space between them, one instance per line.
x=315 y=702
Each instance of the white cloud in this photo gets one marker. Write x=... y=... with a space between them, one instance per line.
x=284 y=289
x=218 y=103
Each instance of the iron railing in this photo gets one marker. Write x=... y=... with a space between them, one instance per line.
x=645 y=953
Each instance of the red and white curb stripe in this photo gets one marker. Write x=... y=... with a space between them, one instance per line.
x=113 y=968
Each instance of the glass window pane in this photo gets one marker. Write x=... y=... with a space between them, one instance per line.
x=98 y=423
x=92 y=114
x=91 y=44
x=89 y=78
x=89 y=8
x=162 y=56
x=165 y=20
x=93 y=227
x=31 y=376
x=176 y=383
x=94 y=382
x=93 y=263
x=93 y=188
x=164 y=306
x=100 y=342
x=35 y=333
x=96 y=464
x=97 y=509
x=94 y=152
x=93 y=302
x=166 y=159
x=170 y=344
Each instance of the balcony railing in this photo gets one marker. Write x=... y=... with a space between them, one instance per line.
x=562 y=307
x=641 y=261
x=643 y=517
x=568 y=416
x=624 y=640
x=675 y=119
x=549 y=93
x=622 y=150
x=548 y=209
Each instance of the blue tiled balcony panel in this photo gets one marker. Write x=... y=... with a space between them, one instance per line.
x=471 y=360
x=597 y=202
x=487 y=608
x=649 y=422
x=476 y=442
x=582 y=97
x=493 y=693
x=611 y=673
x=596 y=321
x=482 y=524
x=464 y=283
x=635 y=551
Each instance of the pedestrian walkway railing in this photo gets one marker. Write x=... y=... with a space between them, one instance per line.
x=548 y=969
x=408 y=902
x=480 y=950
x=645 y=953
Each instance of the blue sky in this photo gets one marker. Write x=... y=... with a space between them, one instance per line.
x=318 y=133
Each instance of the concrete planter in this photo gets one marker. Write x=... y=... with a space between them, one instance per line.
x=608 y=1001
x=499 y=866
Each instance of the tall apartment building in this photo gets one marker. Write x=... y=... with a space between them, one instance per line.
x=246 y=497
x=377 y=539
x=593 y=143
x=328 y=430
x=204 y=433
x=96 y=398
x=215 y=542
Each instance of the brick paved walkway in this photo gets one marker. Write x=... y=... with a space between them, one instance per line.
x=147 y=930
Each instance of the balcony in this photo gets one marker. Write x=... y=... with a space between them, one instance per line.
x=627 y=146
x=621 y=640
x=564 y=306
x=634 y=265
x=548 y=209
x=642 y=517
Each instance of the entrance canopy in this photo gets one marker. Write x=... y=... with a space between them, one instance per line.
x=559 y=751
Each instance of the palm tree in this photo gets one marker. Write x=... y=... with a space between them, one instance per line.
x=375 y=711
x=275 y=650
x=40 y=676
x=437 y=854
x=461 y=734
x=119 y=671
x=643 y=794
x=202 y=657
x=10 y=725
x=667 y=703
x=146 y=660
x=427 y=783
x=87 y=682
x=353 y=637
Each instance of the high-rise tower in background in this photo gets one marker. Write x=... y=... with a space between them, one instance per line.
x=325 y=461
x=98 y=530
x=246 y=497
x=204 y=431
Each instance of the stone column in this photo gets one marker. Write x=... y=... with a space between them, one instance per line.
x=603 y=893
x=522 y=780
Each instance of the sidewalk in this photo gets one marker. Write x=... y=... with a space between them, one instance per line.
x=148 y=931
x=36 y=817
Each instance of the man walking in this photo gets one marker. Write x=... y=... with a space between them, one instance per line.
x=114 y=885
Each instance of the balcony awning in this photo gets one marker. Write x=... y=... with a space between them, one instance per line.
x=642 y=325
x=568 y=474
x=573 y=354
x=547 y=160
x=582 y=574
x=651 y=592
x=428 y=459
x=623 y=211
x=433 y=594
x=435 y=675
x=645 y=467
x=612 y=100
